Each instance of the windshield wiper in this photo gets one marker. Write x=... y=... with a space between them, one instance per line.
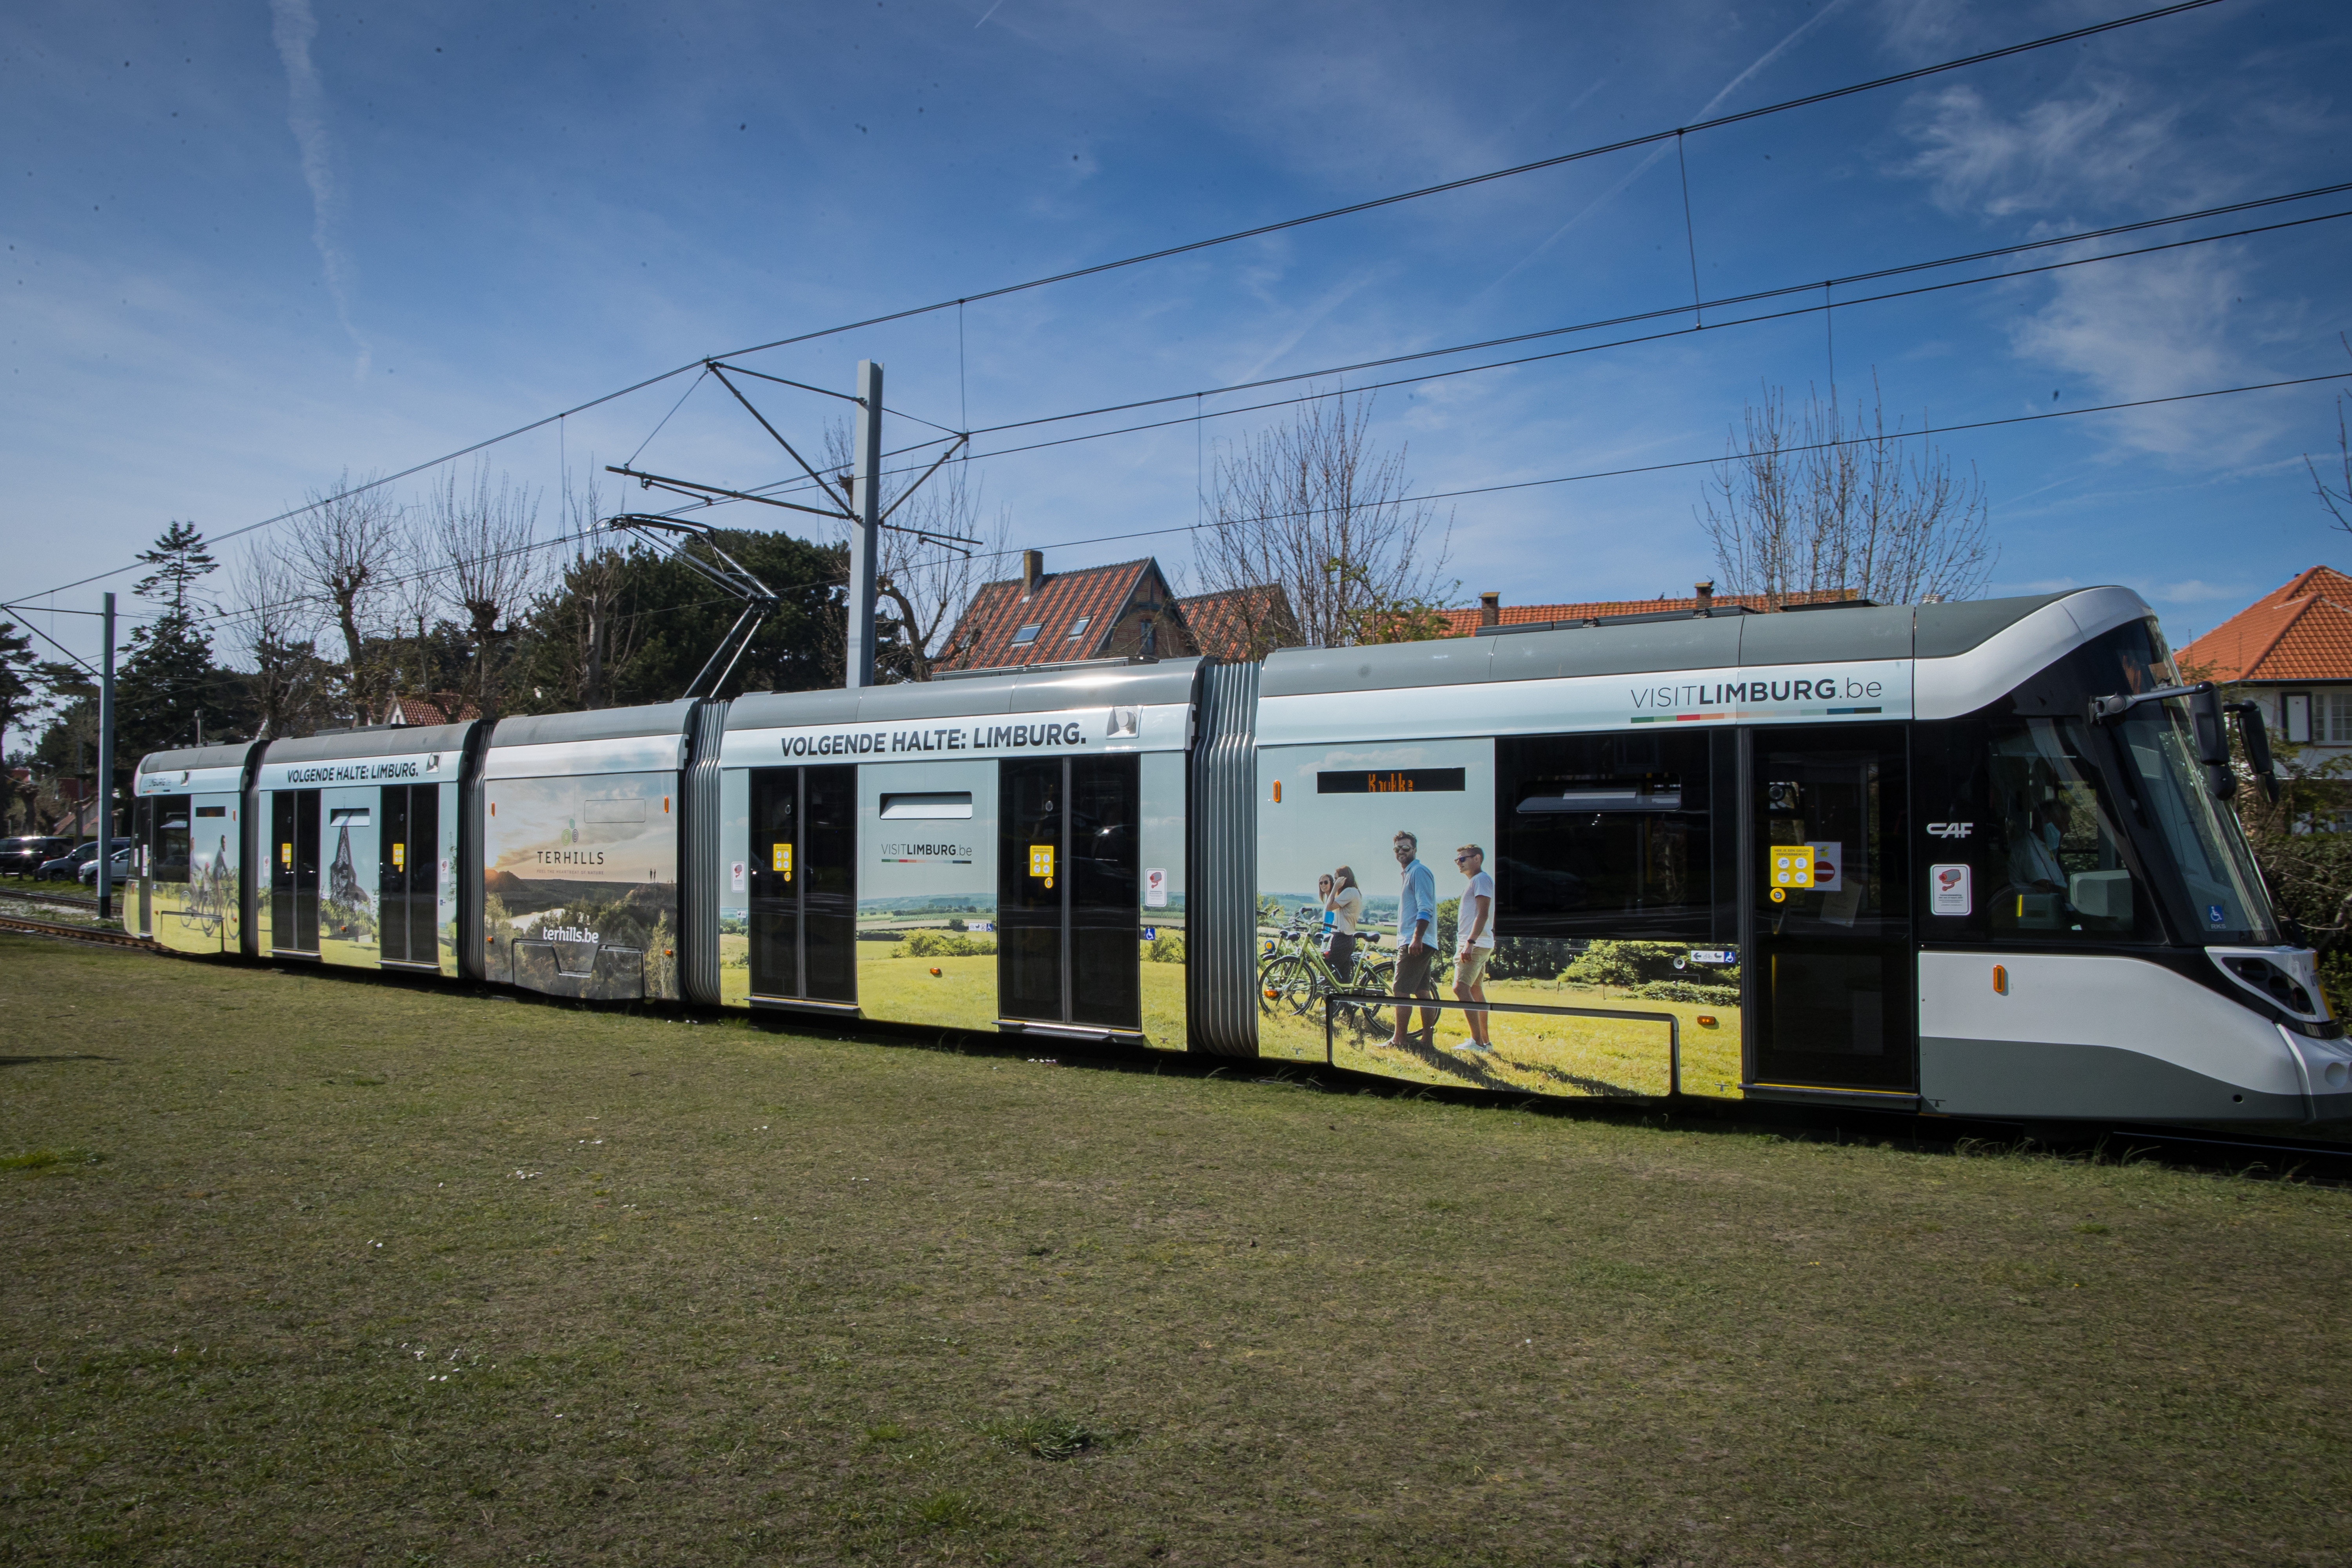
x=2206 y=710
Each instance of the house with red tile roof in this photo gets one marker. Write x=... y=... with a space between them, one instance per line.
x=1122 y=610
x=442 y=708
x=2291 y=650
x=1060 y=618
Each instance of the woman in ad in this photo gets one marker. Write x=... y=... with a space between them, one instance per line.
x=1343 y=910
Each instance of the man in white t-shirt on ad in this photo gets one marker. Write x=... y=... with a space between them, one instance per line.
x=1477 y=924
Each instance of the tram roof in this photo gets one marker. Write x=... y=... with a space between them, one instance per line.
x=972 y=697
x=197 y=757
x=1832 y=633
x=599 y=724
x=377 y=741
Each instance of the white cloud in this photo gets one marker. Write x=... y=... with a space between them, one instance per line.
x=295 y=28
x=2047 y=156
x=2152 y=327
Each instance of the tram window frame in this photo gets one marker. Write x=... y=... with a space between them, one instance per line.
x=173 y=827
x=1638 y=769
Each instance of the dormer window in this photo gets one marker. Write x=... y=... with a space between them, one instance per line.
x=1026 y=635
x=1078 y=627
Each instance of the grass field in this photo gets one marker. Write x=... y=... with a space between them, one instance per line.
x=319 y=1268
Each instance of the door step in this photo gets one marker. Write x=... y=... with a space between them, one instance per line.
x=1068 y=1031
x=1807 y=1094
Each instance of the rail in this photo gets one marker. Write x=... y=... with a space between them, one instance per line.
x=73 y=900
x=1375 y=1002
x=98 y=935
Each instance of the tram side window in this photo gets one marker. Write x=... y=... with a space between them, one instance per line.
x=167 y=858
x=1604 y=835
x=2058 y=859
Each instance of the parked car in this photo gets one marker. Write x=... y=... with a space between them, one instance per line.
x=118 y=867
x=23 y=857
x=65 y=867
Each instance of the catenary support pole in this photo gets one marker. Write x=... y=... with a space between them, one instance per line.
x=106 y=766
x=866 y=532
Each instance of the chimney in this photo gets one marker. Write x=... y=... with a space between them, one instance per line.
x=1490 y=609
x=1704 y=602
x=1032 y=570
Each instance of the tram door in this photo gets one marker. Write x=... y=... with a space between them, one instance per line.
x=294 y=871
x=805 y=884
x=142 y=834
x=1069 y=906
x=1828 y=960
x=407 y=875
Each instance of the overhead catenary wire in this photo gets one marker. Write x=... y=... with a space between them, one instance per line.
x=1196 y=416
x=1924 y=431
x=1464 y=182
x=1467 y=182
x=1666 y=312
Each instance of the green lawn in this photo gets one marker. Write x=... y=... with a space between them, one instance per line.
x=317 y=1268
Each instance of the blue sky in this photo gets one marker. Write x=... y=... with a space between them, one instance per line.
x=251 y=248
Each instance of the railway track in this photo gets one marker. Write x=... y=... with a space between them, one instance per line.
x=91 y=935
x=72 y=899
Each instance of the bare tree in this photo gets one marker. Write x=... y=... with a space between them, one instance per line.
x=927 y=580
x=419 y=599
x=1815 y=500
x=481 y=534
x=271 y=618
x=345 y=545
x=1314 y=508
x=594 y=634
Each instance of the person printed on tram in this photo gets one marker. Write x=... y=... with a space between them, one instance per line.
x=1476 y=921
x=1416 y=923
x=1343 y=906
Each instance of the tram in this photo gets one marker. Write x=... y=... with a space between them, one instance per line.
x=1971 y=858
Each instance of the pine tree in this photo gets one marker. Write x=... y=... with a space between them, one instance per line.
x=19 y=688
x=168 y=693
x=179 y=558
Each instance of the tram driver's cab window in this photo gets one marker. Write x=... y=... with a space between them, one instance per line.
x=2056 y=855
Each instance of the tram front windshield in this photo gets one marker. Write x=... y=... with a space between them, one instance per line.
x=2226 y=903
x=2096 y=825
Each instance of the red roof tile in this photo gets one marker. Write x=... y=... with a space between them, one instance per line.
x=446 y=708
x=1463 y=623
x=1092 y=602
x=2303 y=631
x=1240 y=623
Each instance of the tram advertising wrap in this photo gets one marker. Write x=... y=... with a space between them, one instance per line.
x=1577 y=875
x=925 y=860
x=580 y=853
x=358 y=846
x=1975 y=858
x=188 y=835
x=580 y=885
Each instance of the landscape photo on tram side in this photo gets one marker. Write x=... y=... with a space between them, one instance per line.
x=347 y=905
x=580 y=885
x=927 y=925
x=1333 y=842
